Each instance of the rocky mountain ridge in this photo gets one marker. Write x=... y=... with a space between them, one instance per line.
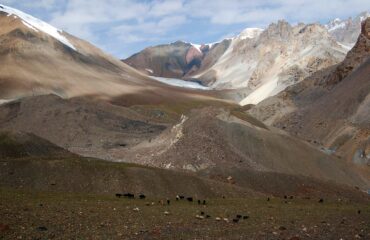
x=257 y=63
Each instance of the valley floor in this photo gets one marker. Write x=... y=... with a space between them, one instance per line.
x=44 y=215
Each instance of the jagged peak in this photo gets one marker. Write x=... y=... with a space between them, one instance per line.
x=280 y=23
x=280 y=29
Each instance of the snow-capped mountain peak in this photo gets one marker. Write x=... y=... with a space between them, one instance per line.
x=37 y=25
x=335 y=24
x=346 y=31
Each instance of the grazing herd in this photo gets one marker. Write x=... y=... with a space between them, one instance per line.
x=202 y=214
x=191 y=199
x=237 y=218
x=168 y=201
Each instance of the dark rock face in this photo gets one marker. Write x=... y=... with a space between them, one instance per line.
x=365 y=28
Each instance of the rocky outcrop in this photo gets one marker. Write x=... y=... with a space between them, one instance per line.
x=359 y=53
x=365 y=28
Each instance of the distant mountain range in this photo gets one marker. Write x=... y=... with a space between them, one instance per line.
x=257 y=63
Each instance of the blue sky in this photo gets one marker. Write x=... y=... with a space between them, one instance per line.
x=124 y=27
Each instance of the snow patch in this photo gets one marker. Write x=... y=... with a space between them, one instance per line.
x=250 y=33
x=337 y=26
x=197 y=46
x=35 y=23
x=180 y=83
x=29 y=26
x=149 y=70
x=337 y=20
x=210 y=45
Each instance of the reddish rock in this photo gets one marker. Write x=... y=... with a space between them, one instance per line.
x=193 y=53
x=4 y=227
x=365 y=28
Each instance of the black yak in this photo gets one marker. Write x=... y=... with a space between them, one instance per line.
x=129 y=195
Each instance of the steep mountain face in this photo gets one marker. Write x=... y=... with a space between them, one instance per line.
x=37 y=59
x=346 y=31
x=330 y=108
x=177 y=60
x=278 y=57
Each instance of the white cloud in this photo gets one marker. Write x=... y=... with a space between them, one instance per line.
x=81 y=14
x=265 y=11
x=128 y=20
x=147 y=30
x=166 y=7
x=44 y=4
